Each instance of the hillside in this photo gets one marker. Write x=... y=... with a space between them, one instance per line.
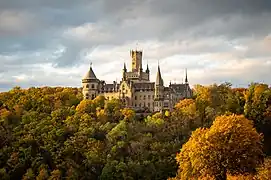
x=51 y=133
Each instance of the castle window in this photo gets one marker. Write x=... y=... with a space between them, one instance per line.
x=135 y=104
x=149 y=96
x=92 y=86
x=87 y=86
x=92 y=96
x=135 y=97
x=144 y=97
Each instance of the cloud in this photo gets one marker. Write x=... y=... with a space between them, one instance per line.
x=216 y=40
x=13 y=23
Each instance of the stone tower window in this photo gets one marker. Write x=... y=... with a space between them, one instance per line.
x=87 y=86
x=92 y=86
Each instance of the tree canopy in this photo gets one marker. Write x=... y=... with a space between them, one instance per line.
x=52 y=133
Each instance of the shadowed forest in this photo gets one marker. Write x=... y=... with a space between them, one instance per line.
x=51 y=133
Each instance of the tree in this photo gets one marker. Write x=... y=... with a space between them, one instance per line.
x=264 y=172
x=231 y=145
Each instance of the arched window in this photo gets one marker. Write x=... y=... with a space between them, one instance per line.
x=92 y=86
x=87 y=86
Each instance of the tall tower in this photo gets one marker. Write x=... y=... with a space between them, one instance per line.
x=136 y=60
x=90 y=84
x=159 y=92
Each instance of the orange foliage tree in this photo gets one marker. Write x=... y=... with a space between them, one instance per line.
x=230 y=146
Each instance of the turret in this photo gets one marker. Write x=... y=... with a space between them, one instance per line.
x=187 y=88
x=124 y=71
x=159 y=92
x=147 y=70
x=186 y=79
x=90 y=84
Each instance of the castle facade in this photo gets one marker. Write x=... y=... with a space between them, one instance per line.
x=135 y=90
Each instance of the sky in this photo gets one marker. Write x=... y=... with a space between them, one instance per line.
x=51 y=43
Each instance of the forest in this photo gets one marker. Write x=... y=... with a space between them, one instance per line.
x=52 y=133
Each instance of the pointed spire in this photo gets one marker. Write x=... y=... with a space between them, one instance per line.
x=124 y=67
x=147 y=70
x=186 y=79
x=90 y=74
x=159 y=80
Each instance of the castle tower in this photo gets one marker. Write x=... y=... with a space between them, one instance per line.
x=90 y=84
x=159 y=92
x=136 y=60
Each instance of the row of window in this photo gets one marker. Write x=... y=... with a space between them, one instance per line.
x=144 y=97
x=92 y=86
x=143 y=105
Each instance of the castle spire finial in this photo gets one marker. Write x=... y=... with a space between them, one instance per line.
x=124 y=66
x=186 y=79
x=90 y=64
x=147 y=70
x=159 y=80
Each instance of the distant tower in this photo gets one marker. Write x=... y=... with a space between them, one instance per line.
x=90 y=84
x=136 y=60
x=159 y=92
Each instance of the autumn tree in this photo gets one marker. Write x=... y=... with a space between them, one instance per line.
x=264 y=171
x=258 y=109
x=231 y=145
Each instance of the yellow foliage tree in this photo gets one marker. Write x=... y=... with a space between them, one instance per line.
x=230 y=146
x=264 y=172
x=128 y=114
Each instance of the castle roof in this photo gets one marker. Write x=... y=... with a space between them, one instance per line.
x=90 y=74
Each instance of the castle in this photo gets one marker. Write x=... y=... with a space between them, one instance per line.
x=136 y=90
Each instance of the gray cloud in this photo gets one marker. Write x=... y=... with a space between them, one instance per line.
x=197 y=34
